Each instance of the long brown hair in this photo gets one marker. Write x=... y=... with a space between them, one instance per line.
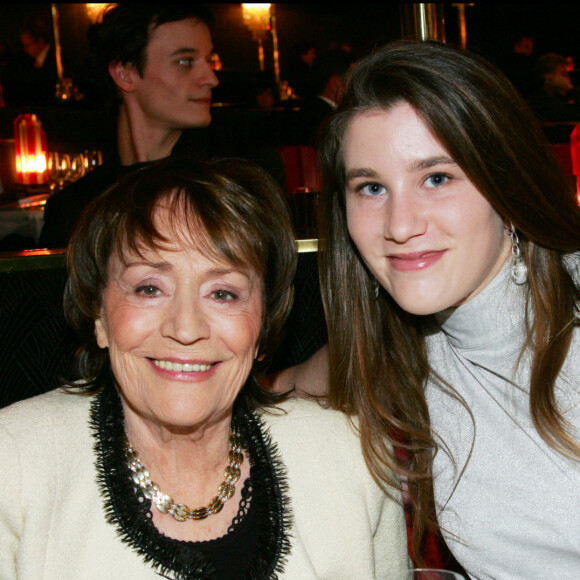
x=377 y=350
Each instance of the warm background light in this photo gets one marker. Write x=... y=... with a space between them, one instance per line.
x=256 y=18
x=30 y=149
x=94 y=11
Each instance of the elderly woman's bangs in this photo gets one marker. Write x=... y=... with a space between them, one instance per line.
x=191 y=215
x=217 y=227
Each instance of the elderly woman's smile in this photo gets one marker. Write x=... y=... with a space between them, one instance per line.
x=182 y=330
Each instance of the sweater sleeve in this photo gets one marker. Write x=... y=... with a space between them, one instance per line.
x=11 y=514
x=385 y=514
x=389 y=540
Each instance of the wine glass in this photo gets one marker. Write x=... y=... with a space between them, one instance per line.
x=92 y=159
x=433 y=574
x=77 y=167
x=58 y=170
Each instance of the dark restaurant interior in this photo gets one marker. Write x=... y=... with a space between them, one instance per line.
x=259 y=99
x=75 y=129
x=78 y=119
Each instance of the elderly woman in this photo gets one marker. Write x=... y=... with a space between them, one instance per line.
x=451 y=277
x=168 y=458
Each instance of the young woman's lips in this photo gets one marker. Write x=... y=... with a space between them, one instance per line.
x=415 y=260
x=188 y=371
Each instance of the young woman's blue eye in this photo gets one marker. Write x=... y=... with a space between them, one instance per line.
x=436 y=180
x=372 y=189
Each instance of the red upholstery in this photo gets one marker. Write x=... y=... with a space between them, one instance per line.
x=301 y=165
x=561 y=152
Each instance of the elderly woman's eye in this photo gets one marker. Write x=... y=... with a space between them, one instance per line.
x=148 y=290
x=224 y=295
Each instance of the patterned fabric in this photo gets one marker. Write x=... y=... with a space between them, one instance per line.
x=306 y=326
x=36 y=345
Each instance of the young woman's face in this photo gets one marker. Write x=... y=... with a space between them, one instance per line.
x=423 y=229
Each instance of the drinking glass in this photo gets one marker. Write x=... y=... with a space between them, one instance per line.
x=77 y=167
x=58 y=170
x=92 y=159
x=433 y=574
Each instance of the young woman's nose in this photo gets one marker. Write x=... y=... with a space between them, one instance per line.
x=405 y=217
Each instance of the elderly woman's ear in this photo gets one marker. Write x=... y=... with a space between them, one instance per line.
x=101 y=333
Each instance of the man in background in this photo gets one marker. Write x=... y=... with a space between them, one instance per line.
x=156 y=61
x=328 y=73
x=32 y=78
x=556 y=100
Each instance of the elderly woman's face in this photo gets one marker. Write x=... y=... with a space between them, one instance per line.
x=182 y=332
x=424 y=230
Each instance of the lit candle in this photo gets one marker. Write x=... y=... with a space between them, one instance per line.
x=30 y=150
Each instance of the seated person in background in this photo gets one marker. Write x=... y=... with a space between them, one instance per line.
x=32 y=79
x=179 y=313
x=555 y=99
x=328 y=73
x=518 y=63
x=298 y=69
x=156 y=59
x=265 y=96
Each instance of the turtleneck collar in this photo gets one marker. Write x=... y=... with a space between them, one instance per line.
x=492 y=322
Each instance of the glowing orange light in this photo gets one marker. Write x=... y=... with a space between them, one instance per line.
x=30 y=150
x=256 y=18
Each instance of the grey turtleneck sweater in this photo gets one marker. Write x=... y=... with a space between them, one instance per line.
x=509 y=505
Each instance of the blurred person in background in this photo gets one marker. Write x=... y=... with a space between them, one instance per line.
x=31 y=78
x=328 y=73
x=555 y=99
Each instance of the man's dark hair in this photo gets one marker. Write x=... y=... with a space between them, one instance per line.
x=124 y=31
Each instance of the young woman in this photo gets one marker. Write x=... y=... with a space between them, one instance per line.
x=450 y=281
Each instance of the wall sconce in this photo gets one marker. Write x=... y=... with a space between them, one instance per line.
x=257 y=19
x=30 y=150
x=95 y=11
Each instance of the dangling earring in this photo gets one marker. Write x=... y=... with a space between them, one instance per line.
x=376 y=288
x=519 y=268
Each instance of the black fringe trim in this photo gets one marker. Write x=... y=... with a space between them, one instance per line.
x=128 y=510
x=269 y=481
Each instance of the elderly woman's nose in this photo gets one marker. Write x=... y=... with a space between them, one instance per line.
x=185 y=320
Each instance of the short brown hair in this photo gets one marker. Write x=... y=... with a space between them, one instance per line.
x=232 y=205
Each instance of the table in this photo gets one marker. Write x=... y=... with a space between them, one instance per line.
x=23 y=217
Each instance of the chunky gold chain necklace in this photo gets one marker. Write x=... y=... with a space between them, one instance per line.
x=181 y=512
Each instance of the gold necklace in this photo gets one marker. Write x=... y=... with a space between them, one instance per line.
x=181 y=512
